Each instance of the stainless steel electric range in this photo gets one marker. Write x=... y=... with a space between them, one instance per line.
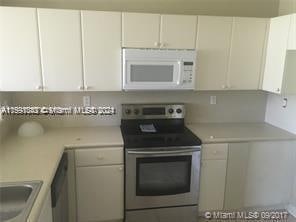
x=162 y=164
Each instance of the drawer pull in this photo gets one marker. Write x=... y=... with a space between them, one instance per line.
x=100 y=158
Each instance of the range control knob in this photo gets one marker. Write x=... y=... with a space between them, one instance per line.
x=179 y=110
x=136 y=111
x=171 y=110
x=128 y=111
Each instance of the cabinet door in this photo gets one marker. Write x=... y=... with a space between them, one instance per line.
x=101 y=32
x=212 y=184
x=140 y=30
x=213 y=176
x=178 y=31
x=292 y=34
x=46 y=210
x=237 y=166
x=99 y=193
x=61 y=55
x=276 y=54
x=19 y=50
x=213 y=45
x=246 y=55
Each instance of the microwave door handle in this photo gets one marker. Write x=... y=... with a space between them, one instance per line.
x=164 y=152
x=179 y=73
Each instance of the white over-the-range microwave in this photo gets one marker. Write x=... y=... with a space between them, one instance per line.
x=158 y=69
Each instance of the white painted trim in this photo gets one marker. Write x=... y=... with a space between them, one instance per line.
x=292 y=209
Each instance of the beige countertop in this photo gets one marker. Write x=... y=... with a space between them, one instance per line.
x=238 y=132
x=27 y=159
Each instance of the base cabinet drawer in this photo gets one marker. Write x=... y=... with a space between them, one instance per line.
x=99 y=156
x=214 y=151
x=100 y=193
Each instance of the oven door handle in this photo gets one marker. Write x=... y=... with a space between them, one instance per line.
x=190 y=150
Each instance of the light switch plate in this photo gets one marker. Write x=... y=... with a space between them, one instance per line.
x=86 y=101
x=213 y=100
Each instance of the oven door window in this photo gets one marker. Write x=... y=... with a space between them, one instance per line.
x=163 y=175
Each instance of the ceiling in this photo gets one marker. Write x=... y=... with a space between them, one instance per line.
x=252 y=8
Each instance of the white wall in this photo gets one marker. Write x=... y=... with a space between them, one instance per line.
x=284 y=118
x=254 y=8
x=276 y=115
x=279 y=116
x=230 y=107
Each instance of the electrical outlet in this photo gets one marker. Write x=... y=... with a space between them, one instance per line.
x=86 y=101
x=213 y=100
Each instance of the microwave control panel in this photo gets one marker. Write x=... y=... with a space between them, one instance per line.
x=187 y=72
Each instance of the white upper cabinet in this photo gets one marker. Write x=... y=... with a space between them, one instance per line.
x=292 y=34
x=178 y=31
x=61 y=50
x=280 y=37
x=101 y=40
x=19 y=50
x=247 y=53
x=213 y=44
x=140 y=30
x=230 y=52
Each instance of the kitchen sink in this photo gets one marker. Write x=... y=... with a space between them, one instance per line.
x=17 y=199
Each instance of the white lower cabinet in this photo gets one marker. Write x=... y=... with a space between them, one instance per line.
x=213 y=177
x=259 y=174
x=46 y=210
x=100 y=188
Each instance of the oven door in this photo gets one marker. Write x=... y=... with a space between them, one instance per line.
x=162 y=177
x=152 y=74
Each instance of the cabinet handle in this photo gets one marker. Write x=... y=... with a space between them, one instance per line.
x=163 y=45
x=80 y=87
x=157 y=44
x=87 y=87
x=120 y=168
x=278 y=89
x=100 y=158
x=39 y=87
x=224 y=87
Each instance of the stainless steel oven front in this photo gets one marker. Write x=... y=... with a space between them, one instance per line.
x=162 y=177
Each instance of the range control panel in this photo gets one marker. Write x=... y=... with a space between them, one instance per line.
x=153 y=111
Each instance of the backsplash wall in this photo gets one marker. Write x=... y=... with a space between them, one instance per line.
x=230 y=107
x=5 y=123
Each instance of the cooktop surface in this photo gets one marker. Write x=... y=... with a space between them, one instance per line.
x=157 y=133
